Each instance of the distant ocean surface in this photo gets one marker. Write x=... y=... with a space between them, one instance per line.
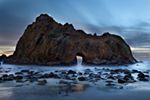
x=83 y=91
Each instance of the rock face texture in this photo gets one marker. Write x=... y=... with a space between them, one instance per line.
x=46 y=42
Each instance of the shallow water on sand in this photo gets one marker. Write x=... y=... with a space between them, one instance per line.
x=83 y=90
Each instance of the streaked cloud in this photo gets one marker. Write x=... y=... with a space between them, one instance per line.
x=128 y=18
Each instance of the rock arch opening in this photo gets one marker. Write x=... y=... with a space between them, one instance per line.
x=80 y=58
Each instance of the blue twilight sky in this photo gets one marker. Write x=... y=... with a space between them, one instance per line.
x=128 y=18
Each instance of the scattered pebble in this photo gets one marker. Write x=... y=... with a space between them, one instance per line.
x=112 y=77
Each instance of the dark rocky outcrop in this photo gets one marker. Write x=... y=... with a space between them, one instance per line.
x=46 y=42
x=143 y=77
x=3 y=58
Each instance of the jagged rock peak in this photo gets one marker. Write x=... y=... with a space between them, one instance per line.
x=44 y=17
x=106 y=34
x=68 y=26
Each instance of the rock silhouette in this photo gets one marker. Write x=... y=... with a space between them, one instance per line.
x=3 y=58
x=46 y=42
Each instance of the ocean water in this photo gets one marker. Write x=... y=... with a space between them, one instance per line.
x=83 y=90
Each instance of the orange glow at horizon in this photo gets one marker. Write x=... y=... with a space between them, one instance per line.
x=143 y=50
x=7 y=50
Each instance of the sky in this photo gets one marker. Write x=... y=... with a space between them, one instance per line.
x=127 y=18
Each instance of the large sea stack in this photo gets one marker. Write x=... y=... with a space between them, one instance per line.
x=46 y=42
